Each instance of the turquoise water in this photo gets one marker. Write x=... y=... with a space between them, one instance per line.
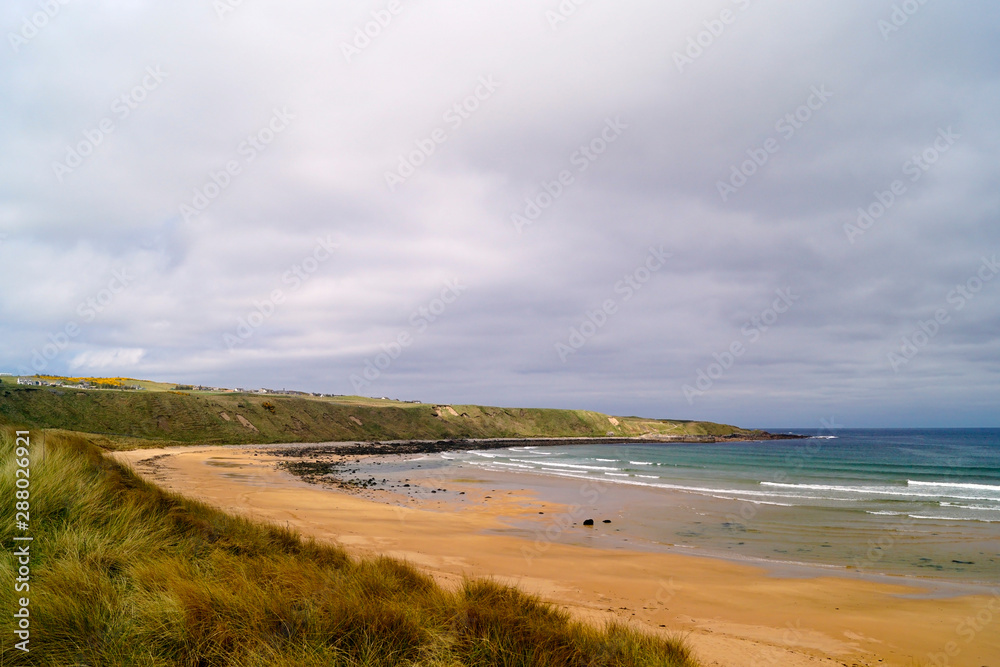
x=913 y=502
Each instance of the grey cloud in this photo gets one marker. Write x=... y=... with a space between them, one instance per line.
x=198 y=276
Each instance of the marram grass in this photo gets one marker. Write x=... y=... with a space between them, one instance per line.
x=123 y=573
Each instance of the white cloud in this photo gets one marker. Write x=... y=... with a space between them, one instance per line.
x=107 y=360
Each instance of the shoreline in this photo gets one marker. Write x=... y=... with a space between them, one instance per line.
x=733 y=613
x=360 y=470
x=414 y=446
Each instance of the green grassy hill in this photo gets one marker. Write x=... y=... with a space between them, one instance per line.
x=122 y=574
x=129 y=419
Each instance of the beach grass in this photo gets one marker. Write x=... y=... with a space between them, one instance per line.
x=124 y=573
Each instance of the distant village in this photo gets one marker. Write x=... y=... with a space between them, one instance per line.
x=65 y=384
x=101 y=384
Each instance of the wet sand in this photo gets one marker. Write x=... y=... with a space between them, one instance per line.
x=733 y=615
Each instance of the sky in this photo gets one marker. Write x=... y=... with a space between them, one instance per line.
x=768 y=214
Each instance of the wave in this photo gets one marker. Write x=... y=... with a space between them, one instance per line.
x=755 y=502
x=823 y=437
x=607 y=460
x=898 y=491
x=642 y=463
x=954 y=485
x=571 y=465
x=950 y=518
x=513 y=465
x=926 y=517
x=617 y=474
x=978 y=508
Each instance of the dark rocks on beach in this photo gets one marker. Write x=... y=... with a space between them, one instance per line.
x=607 y=521
x=588 y=522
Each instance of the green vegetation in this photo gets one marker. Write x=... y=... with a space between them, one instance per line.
x=128 y=419
x=123 y=573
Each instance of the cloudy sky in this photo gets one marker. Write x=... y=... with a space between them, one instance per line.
x=759 y=213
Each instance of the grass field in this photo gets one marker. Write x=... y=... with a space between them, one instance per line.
x=127 y=419
x=122 y=573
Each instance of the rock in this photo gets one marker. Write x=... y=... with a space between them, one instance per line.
x=588 y=522
x=607 y=521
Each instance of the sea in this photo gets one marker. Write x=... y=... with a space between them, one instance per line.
x=905 y=502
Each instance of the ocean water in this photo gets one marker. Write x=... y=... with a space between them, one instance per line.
x=923 y=502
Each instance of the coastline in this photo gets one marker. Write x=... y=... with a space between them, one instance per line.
x=732 y=613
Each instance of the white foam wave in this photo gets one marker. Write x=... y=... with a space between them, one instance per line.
x=978 y=508
x=950 y=518
x=617 y=474
x=754 y=502
x=897 y=491
x=572 y=465
x=607 y=460
x=954 y=485
x=641 y=463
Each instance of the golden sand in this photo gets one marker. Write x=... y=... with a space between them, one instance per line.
x=732 y=615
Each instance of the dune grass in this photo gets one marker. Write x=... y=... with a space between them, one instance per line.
x=123 y=573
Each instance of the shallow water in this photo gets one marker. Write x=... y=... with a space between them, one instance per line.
x=909 y=502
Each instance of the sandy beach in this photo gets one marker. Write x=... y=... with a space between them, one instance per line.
x=732 y=614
